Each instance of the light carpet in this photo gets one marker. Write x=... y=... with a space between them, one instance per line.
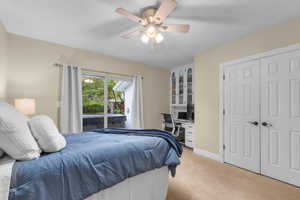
x=200 y=178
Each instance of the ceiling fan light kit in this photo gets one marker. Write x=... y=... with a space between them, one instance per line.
x=151 y=23
x=157 y=39
x=152 y=34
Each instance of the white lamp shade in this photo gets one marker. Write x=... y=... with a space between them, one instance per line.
x=26 y=106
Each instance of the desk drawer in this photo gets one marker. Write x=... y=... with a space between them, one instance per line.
x=190 y=126
x=189 y=137
x=187 y=126
x=189 y=133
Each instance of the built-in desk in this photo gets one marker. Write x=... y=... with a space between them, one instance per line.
x=189 y=131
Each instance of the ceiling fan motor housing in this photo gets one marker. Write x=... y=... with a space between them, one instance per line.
x=148 y=14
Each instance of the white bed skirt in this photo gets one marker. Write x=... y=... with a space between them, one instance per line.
x=6 y=165
x=152 y=185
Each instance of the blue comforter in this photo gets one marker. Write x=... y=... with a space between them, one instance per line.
x=92 y=162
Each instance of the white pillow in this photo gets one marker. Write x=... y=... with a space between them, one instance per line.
x=46 y=134
x=15 y=136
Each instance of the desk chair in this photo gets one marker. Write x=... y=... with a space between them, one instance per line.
x=170 y=125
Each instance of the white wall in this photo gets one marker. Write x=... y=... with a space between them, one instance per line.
x=207 y=75
x=3 y=49
x=31 y=74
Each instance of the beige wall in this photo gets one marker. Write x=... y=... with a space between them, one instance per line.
x=31 y=74
x=207 y=75
x=3 y=48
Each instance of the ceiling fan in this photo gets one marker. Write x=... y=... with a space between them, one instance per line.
x=151 y=23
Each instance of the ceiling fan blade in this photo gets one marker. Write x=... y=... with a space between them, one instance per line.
x=182 y=28
x=166 y=7
x=131 y=16
x=132 y=32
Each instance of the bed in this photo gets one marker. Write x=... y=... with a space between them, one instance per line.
x=151 y=185
x=106 y=164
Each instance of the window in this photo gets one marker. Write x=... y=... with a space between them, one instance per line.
x=93 y=95
x=103 y=99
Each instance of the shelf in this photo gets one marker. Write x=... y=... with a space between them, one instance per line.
x=181 y=81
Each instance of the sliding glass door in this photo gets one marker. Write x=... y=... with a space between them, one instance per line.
x=103 y=99
x=116 y=104
x=93 y=101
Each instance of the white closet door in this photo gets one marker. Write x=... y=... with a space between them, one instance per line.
x=242 y=138
x=280 y=107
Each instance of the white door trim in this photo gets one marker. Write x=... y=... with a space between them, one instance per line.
x=221 y=85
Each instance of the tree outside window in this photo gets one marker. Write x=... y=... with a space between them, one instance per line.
x=93 y=96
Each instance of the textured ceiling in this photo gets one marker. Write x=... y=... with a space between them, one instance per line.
x=93 y=25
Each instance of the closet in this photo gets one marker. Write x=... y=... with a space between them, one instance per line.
x=261 y=108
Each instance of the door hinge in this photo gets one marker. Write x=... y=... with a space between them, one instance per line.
x=224 y=147
x=224 y=77
x=224 y=111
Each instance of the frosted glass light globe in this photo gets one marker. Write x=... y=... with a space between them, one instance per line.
x=159 y=38
x=145 y=39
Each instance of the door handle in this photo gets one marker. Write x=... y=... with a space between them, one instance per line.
x=266 y=124
x=255 y=123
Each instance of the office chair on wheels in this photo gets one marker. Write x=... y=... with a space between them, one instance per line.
x=171 y=126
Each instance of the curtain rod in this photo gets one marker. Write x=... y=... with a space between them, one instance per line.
x=97 y=71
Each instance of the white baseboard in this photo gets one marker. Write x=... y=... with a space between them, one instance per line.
x=208 y=154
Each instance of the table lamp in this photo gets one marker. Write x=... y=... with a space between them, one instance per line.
x=26 y=106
